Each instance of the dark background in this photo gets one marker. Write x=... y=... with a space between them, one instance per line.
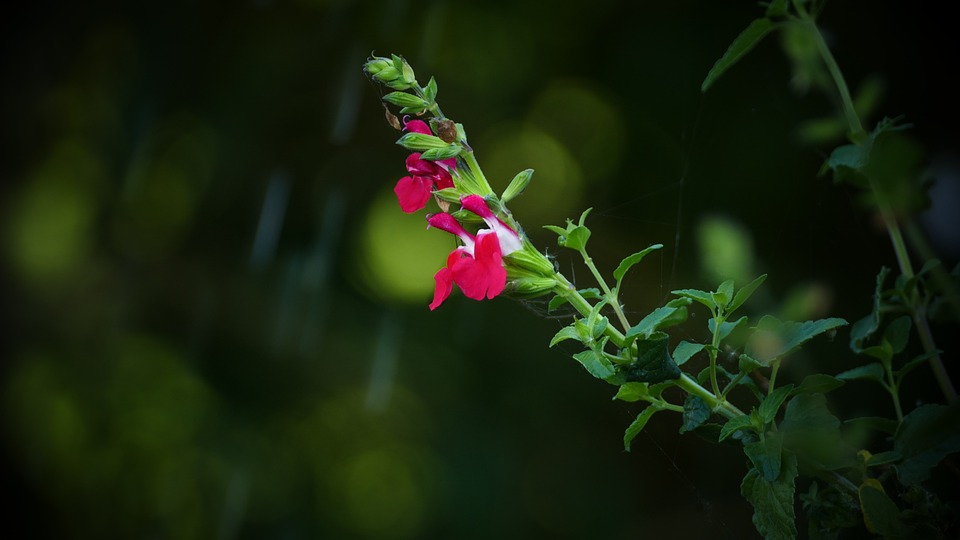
x=216 y=321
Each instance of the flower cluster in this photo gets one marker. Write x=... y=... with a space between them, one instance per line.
x=414 y=191
x=476 y=266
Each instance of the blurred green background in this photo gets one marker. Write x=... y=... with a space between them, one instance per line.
x=216 y=313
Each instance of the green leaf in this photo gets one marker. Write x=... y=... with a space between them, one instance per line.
x=567 y=332
x=703 y=297
x=777 y=8
x=748 y=363
x=632 y=391
x=744 y=294
x=919 y=360
x=724 y=294
x=798 y=335
x=658 y=318
x=553 y=228
x=883 y=458
x=695 y=412
x=765 y=455
x=880 y=513
x=685 y=351
x=870 y=372
x=598 y=365
x=631 y=260
x=556 y=302
x=926 y=435
x=737 y=423
x=637 y=426
x=430 y=90
x=811 y=430
x=808 y=412
x=772 y=501
x=818 y=383
x=771 y=404
x=864 y=328
x=653 y=363
x=747 y=40
x=882 y=352
x=898 y=333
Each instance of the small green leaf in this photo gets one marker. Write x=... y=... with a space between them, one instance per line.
x=430 y=91
x=654 y=321
x=632 y=391
x=870 y=372
x=726 y=327
x=773 y=513
x=703 y=297
x=882 y=352
x=818 y=383
x=744 y=294
x=808 y=412
x=724 y=294
x=567 y=332
x=864 y=328
x=735 y=424
x=898 y=333
x=917 y=361
x=765 y=455
x=807 y=330
x=575 y=238
x=771 y=404
x=553 y=228
x=884 y=458
x=748 y=363
x=685 y=351
x=556 y=302
x=747 y=40
x=695 y=412
x=637 y=426
x=598 y=365
x=777 y=8
x=631 y=260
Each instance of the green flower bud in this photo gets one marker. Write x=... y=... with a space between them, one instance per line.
x=419 y=142
x=517 y=185
x=530 y=260
x=530 y=287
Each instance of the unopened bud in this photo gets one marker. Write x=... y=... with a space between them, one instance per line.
x=530 y=260
x=419 y=142
x=531 y=287
x=517 y=185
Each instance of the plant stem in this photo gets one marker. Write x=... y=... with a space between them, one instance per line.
x=715 y=344
x=893 y=228
x=611 y=296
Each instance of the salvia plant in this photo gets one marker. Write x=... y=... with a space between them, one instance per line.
x=785 y=429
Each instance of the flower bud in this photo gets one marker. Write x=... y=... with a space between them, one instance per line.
x=530 y=260
x=394 y=72
x=517 y=185
x=531 y=287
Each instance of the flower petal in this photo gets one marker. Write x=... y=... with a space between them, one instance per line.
x=444 y=279
x=446 y=222
x=509 y=239
x=417 y=126
x=484 y=276
x=413 y=192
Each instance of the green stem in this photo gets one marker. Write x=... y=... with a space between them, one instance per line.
x=715 y=346
x=687 y=384
x=611 y=296
x=774 y=369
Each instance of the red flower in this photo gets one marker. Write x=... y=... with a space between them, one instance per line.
x=414 y=191
x=477 y=266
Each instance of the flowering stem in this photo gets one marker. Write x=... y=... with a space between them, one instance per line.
x=566 y=290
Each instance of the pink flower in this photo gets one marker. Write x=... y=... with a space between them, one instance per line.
x=419 y=126
x=476 y=266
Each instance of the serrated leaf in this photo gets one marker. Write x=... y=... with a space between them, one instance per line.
x=926 y=435
x=685 y=351
x=734 y=424
x=631 y=260
x=703 y=297
x=632 y=391
x=695 y=412
x=741 y=45
x=808 y=330
x=818 y=383
x=653 y=363
x=773 y=513
x=813 y=431
x=897 y=333
x=744 y=294
x=870 y=372
x=771 y=404
x=596 y=364
x=637 y=426
x=567 y=332
x=748 y=363
x=765 y=455
x=724 y=294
